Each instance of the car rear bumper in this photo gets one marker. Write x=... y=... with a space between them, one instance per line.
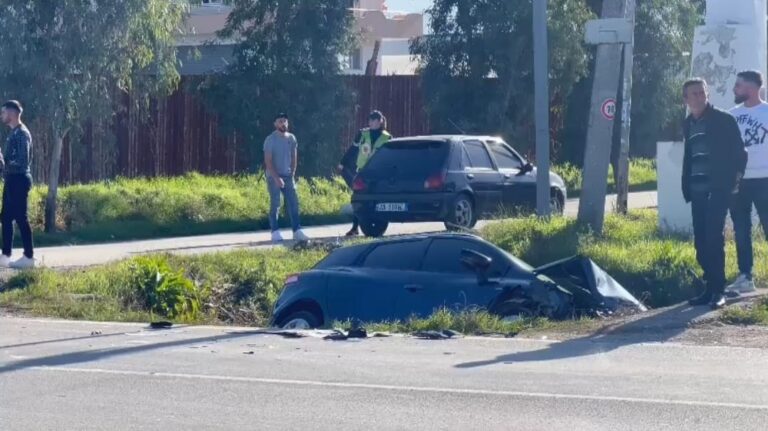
x=420 y=206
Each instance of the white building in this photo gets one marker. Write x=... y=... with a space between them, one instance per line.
x=202 y=52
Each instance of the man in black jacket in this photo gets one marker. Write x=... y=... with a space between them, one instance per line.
x=713 y=165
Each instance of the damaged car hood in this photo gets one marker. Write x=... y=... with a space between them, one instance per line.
x=593 y=290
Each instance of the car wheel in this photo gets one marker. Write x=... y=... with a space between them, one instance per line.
x=300 y=320
x=556 y=203
x=461 y=214
x=373 y=229
x=517 y=307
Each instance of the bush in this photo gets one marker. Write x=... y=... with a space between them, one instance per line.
x=163 y=290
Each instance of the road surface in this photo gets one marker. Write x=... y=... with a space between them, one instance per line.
x=86 y=255
x=57 y=376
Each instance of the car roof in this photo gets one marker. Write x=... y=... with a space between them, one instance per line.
x=447 y=138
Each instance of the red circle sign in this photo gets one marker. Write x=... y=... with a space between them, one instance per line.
x=608 y=109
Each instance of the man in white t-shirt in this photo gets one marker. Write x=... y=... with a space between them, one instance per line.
x=752 y=116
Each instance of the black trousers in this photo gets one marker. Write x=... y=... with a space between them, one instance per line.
x=751 y=192
x=709 y=213
x=349 y=178
x=15 y=205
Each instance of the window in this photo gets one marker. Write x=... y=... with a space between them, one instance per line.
x=403 y=256
x=478 y=155
x=505 y=158
x=444 y=256
x=342 y=257
x=408 y=160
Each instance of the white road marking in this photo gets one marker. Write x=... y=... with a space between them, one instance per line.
x=540 y=395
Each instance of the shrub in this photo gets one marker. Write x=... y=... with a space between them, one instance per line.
x=164 y=291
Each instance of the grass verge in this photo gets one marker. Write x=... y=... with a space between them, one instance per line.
x=755 y=314
x=241 y=287
x=128 y=209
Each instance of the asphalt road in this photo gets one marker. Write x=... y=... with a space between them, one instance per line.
x=75 y=256
x=57 y=376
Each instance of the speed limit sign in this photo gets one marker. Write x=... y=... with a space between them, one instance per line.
x=608 y=109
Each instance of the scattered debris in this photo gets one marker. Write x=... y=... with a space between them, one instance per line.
x=249 y=353
x=161 y=325
x=320 y=245
x=95 y=333
x=437 y=335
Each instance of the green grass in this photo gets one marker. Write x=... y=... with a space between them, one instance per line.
x=756 y=314
x=193 y=204
x=241 y=287
x=642 y=176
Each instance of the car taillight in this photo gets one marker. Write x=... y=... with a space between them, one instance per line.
x=435 y=182
x=358 y=184
x=292 y=279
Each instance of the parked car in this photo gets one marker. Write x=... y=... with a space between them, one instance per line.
x=453 y=179
x=395 y=279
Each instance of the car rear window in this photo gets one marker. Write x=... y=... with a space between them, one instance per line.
x=408 y=159
x=345 y=256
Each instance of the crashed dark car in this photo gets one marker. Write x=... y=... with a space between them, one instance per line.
x=413 y=276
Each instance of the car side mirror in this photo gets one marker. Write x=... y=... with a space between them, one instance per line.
x=528 y=167
x=477 y=262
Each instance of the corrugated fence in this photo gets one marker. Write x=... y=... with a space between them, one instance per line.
x=181 y=136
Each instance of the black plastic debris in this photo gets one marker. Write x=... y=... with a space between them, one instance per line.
x=161 y=325
x=354 y=333
x=437 y=335
x=592 y=291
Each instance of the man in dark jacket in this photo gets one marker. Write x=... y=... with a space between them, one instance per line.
x=713 y=165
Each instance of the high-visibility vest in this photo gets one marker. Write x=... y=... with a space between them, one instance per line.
x=367 y=148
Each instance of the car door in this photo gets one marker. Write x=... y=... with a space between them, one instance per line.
x=519 y=189
x=483 y=177
x=369 y=290
x=444 y=282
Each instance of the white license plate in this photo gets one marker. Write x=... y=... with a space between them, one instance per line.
x=391 y=207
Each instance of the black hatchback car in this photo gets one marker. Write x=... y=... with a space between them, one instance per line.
x=453 y=179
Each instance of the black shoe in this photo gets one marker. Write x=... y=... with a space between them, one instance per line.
x=718 y=301
x=353 y=232
x=698 y=301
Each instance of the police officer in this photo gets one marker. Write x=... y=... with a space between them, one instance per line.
x=364 y=146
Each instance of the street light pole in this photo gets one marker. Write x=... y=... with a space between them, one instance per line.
x=541 y=79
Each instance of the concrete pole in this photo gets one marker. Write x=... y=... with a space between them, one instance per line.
x=541 y=77
x=622 y=183
x=600 y=131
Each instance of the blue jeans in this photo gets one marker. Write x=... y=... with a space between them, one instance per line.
x=751 y=191
x=291 y=202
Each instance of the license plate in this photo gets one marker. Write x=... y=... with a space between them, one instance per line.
x=391 y=207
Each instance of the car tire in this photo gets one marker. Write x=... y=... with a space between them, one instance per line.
x=299 y=320
x=373 y=228
x=461 y=214
x=517 y=306
x=557 y=203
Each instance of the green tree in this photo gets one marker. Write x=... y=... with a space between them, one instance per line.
x=287 y=60
x=70 y=60
x=473 y=42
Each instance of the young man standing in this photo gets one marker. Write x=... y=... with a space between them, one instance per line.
x=18 y=183
x=752 y=116
x=365 y=144
x=281 y=158
x=713 y=165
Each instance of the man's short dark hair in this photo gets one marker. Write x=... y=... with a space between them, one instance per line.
x=13 y=105
x=281 y=116
x=752 y=76
x=691 y=82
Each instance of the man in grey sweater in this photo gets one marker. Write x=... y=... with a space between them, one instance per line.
x=281 y=157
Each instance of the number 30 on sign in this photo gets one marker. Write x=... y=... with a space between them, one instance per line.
x=608 y=109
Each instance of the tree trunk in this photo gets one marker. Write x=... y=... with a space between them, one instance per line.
x=53 y=179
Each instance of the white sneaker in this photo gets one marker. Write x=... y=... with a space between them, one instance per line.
x=5 y=261
x=23 y=263
x=277 y=236
x=743 y=284
x=299 y=235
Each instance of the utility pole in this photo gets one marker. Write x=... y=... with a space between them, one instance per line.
x=628 y=61
x=541 y=78
x=608 y=33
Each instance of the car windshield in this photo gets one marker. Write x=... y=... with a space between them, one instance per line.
x=408 y=159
